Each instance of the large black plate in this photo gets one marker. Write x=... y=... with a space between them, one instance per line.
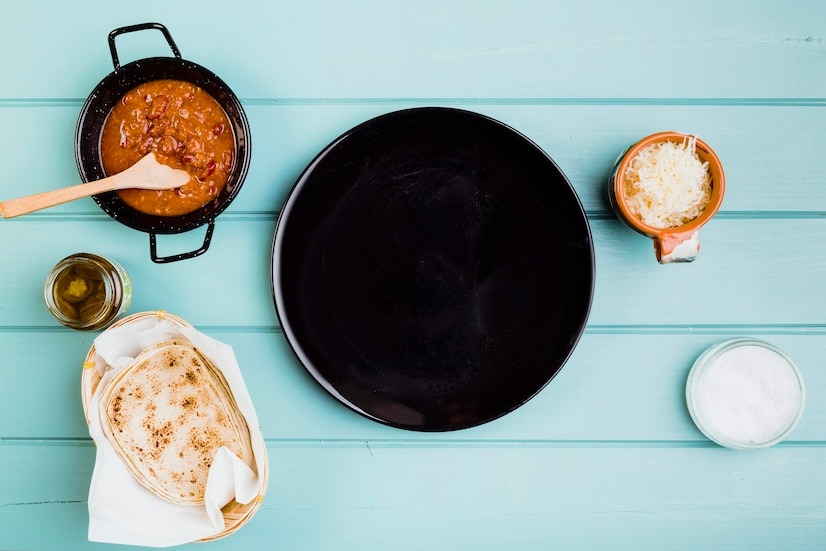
x=432 y=269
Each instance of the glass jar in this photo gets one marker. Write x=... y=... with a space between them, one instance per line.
x=87 y=291
x=745 y=394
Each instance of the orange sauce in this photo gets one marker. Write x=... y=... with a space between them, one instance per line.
x=186 y=128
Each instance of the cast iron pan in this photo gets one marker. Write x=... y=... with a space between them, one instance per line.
x=97 y=108
x=432 y=269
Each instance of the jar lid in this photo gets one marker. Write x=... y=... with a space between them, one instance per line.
x=745 y=394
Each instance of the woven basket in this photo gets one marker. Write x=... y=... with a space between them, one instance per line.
x=235 y=514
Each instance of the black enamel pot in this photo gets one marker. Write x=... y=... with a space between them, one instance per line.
x=100 y=103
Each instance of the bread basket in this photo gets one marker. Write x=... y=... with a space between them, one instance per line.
x=235 y=514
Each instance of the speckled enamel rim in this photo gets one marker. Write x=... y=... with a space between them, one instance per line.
x=96 y=109
x=666 y=239
x=693 y=393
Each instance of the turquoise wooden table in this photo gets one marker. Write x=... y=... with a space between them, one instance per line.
x=604 y=457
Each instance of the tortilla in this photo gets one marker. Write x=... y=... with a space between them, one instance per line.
x=166 y=414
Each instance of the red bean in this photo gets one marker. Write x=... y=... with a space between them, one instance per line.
x=158 y=108
x=217 y=129
x=207 y=171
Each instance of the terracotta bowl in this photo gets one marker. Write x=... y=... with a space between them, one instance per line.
x=679 y=244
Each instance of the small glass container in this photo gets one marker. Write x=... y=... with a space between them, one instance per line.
x=86 y=291
x=745 y=394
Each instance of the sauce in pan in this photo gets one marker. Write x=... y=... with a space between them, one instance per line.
x=186 y=128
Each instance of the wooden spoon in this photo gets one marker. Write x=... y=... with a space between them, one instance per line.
x=147 y=173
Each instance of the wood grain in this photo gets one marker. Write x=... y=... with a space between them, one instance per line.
x=595 y=398
x=606 y=456
x=750 y=271
x=372 y=49
x=621 y=498
x=766 y=171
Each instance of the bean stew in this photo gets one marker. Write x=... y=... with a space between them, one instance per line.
x=186 y=128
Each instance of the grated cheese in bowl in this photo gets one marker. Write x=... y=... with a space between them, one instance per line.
x=667 y=185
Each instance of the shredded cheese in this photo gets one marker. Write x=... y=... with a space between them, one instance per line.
x=667 y=185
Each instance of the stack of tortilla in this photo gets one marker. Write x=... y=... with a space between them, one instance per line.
x=166 y=414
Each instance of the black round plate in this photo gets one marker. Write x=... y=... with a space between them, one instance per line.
x=432 y=269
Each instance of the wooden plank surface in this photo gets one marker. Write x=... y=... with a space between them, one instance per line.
x=594 y=398
x=765 y=171
x=482 y=497
x=772 y=263
x=493 y=49
x=606 y=456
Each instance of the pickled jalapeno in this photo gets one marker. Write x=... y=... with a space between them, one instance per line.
x=80 y=292
x=86 y=291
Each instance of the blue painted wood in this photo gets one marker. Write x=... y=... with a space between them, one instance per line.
x=606 y=456
x=583 y=140
x=375 y=49
x=594 y=398
x=770 y=262
x=371 y=496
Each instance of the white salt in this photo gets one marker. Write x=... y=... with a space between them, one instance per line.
x=751 y=394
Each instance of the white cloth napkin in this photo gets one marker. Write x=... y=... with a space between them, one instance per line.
x=121 y=510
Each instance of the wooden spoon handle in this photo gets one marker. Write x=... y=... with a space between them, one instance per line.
x=147 y=173
x=38 y=201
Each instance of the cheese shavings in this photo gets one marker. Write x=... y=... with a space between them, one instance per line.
x=667 y=185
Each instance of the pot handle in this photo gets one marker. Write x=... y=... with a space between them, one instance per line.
x=140 y=27
x=153 y=248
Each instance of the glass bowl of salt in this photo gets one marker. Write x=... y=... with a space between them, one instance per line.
x=745 y=394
